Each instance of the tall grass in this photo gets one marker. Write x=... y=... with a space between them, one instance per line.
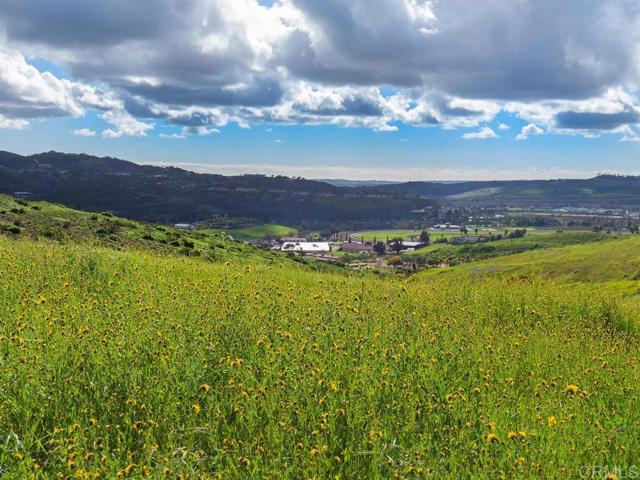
x=130 y=365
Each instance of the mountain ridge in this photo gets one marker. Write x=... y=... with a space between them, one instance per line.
x=171 y=194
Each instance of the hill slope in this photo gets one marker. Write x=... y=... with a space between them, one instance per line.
x=603 y=191
x=138 y=365
x=42 y=220
x=453 y=254
x=174 y=195
x=599 y=261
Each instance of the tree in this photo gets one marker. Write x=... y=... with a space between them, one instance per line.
x=518 y=233
x=395 y=261
x=379 y=248
x=424 y=236
x=396 y=245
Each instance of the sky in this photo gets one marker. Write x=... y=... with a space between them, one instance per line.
x=355 y=89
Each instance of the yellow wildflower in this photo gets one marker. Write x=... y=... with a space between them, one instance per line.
x=572 y=389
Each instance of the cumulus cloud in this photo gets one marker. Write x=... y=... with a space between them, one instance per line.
x=11 y=123
x=568 y=66
x=83 y=132
x=199 y=130
x=124 y=123
x=172 y=136
x=529 y=130
x=25 y=92
x=608 y=112
x=482 y=134
x=503 y=126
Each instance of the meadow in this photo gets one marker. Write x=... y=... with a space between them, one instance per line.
x=436 y=234
x=135 y=364
x=453 y=254
x=596 y=258
x=258 y=232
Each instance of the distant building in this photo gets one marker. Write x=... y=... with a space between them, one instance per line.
x=306 y=247
x=406 y=244
x=22 y=194
x=353 y=247
x=447 y=226
x=184 y=226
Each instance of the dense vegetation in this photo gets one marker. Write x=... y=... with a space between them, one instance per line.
x=137 y=364
x=611 y=191
x=172 y=195
x=42 y=220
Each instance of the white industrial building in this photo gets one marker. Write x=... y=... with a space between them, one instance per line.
x=306 y=247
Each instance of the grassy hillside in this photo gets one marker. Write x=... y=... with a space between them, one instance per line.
x=446 y=253
x=617 y=258
x=259 y=232
x=42 y=220
x=129 y=364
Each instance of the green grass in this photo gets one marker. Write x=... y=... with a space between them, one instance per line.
x=42 y=220
x=140 y=365
x=132 y=361
x=450 y=254
x=612 y=259
x=382 y=235
x=259 y=232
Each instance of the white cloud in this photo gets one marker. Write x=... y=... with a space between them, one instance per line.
x=13 y=123
x=83 y=132
x=173 y=136
x=529 y=130
x=25 y=89
x=27 y=93
x=629 y=134
x=482 y=134
x=200 y=130
x=110 y=133
x=503 y=126
x=214 y=62
x=125 y=124
x=608 y=112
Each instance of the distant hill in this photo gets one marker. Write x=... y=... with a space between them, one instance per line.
x=174 y=195
x=602 y=191
x=169 y=194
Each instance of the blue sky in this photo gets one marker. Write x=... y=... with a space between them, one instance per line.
x=331 y=89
